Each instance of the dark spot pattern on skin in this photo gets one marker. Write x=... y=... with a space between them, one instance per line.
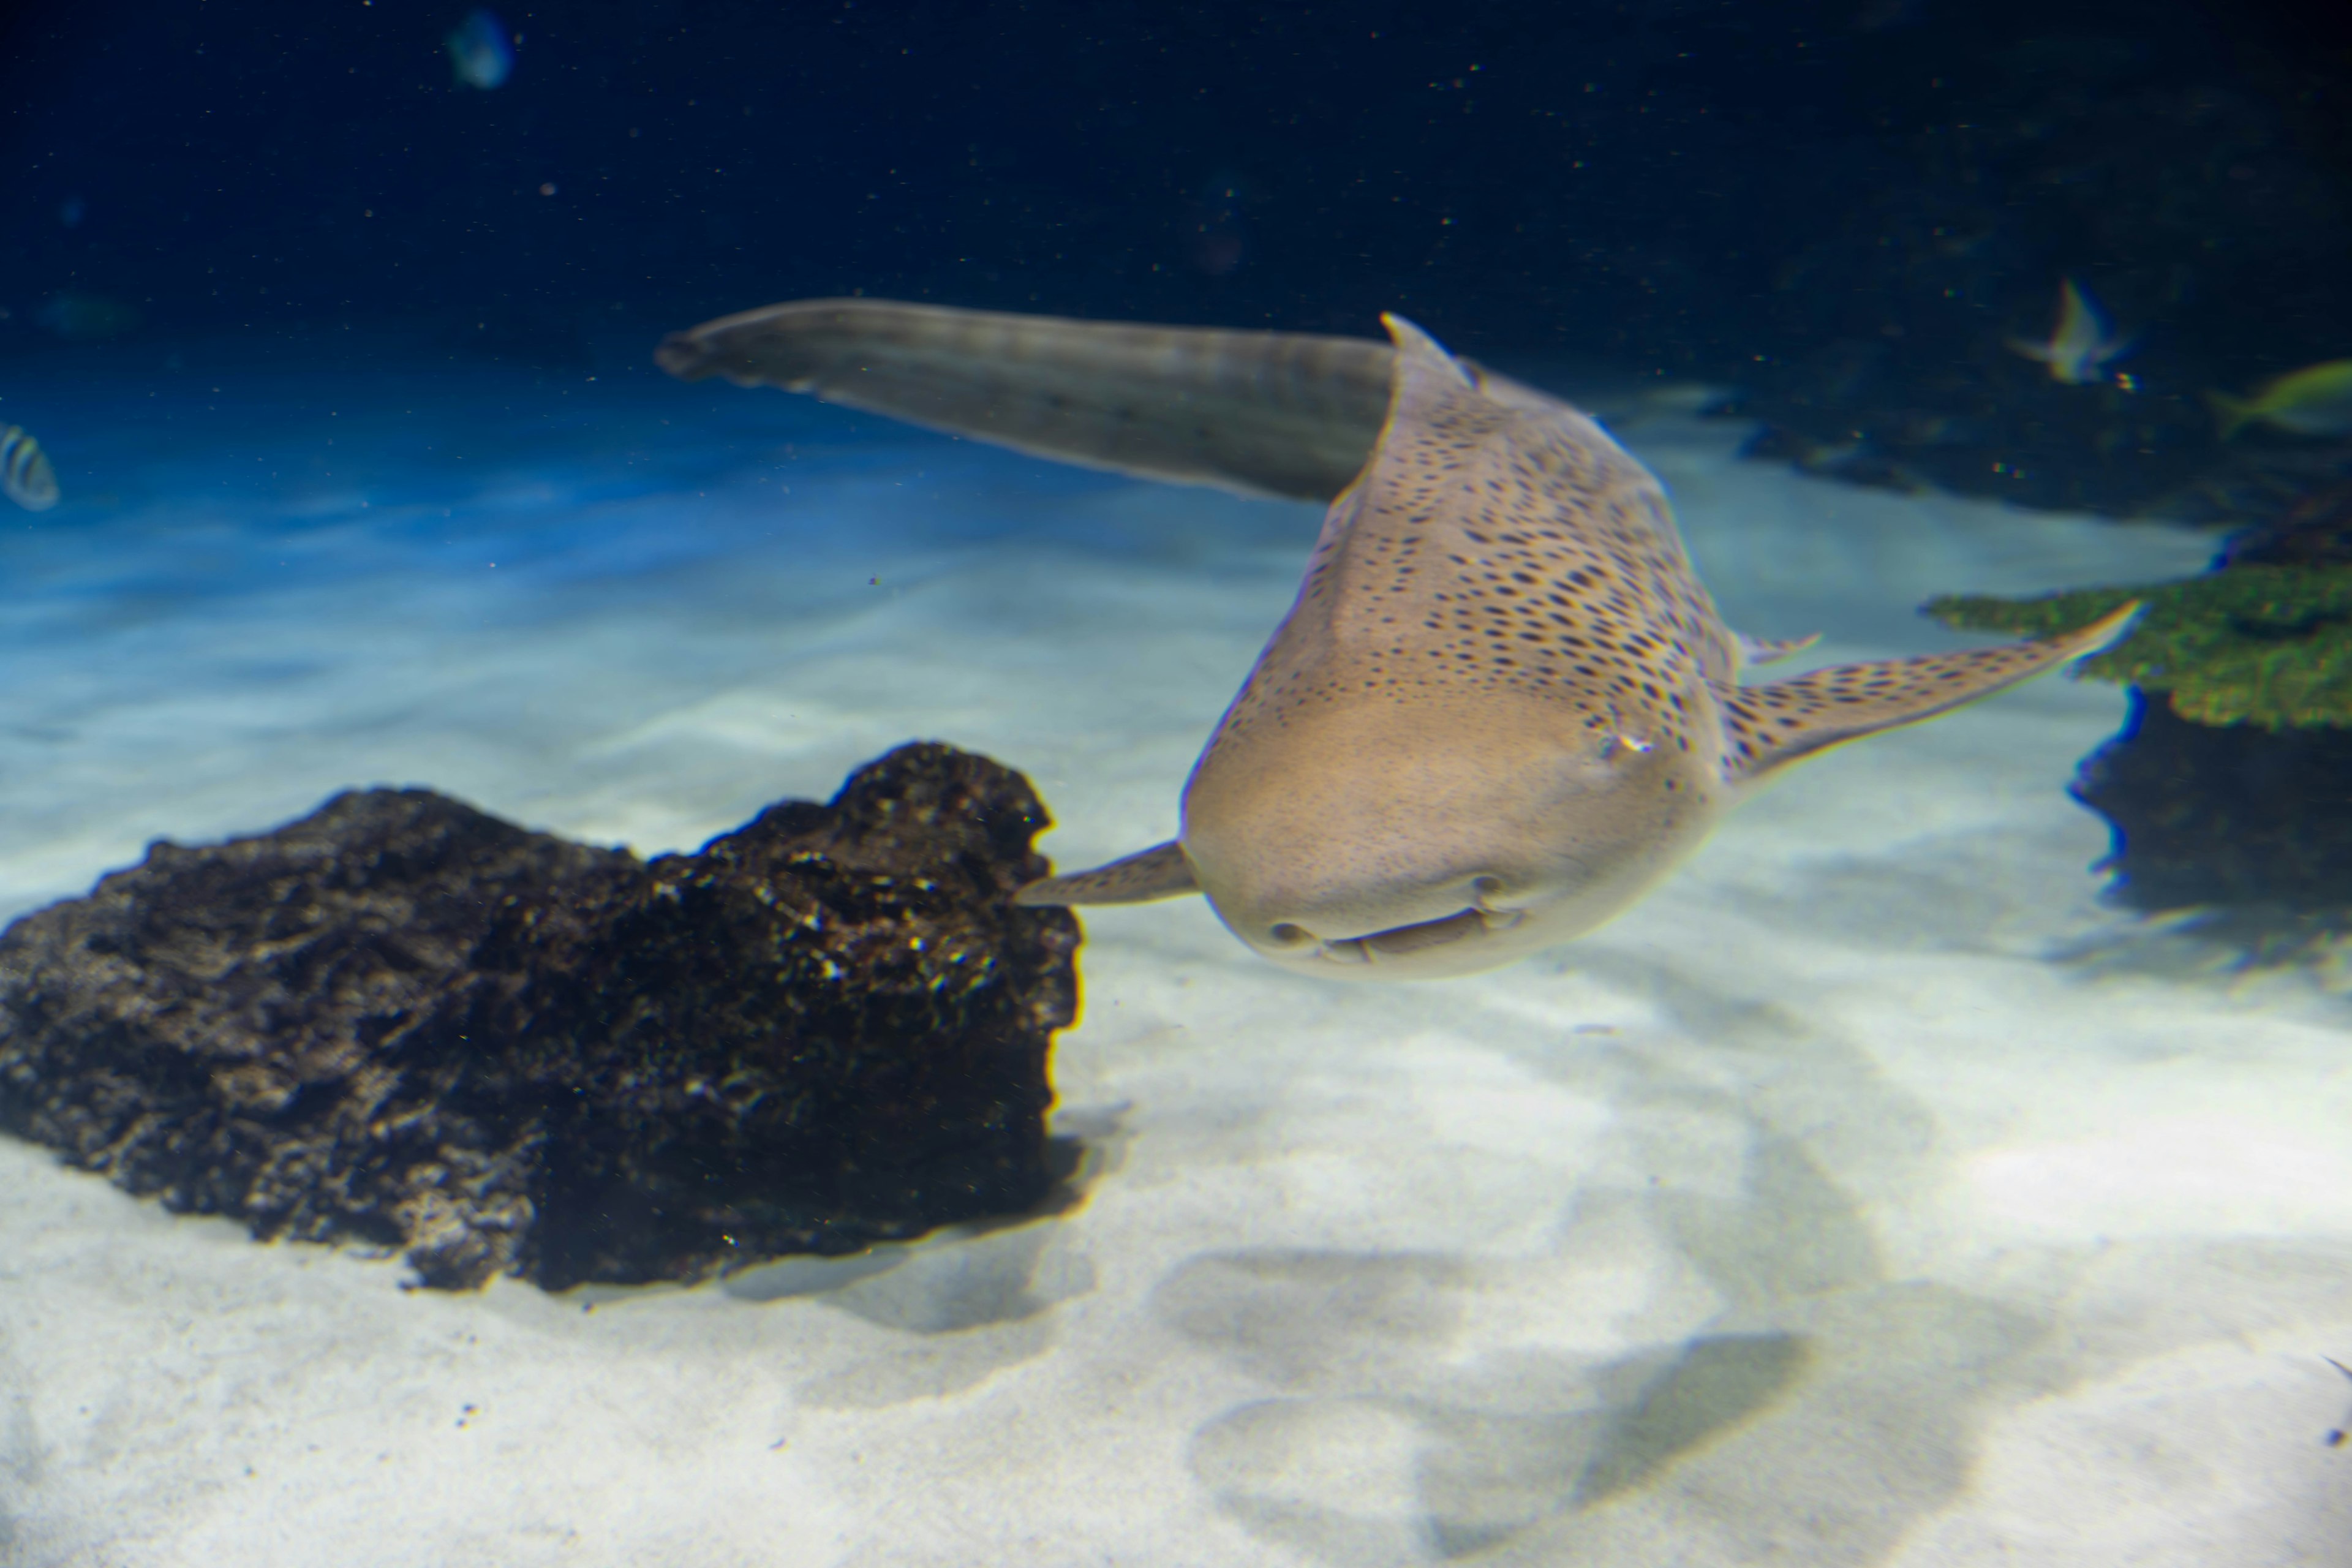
x=1493 y=548
x=1788 y=719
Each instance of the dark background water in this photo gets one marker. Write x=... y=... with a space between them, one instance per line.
x=1843 y=205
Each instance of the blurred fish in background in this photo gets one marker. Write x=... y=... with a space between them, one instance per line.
x=2314 y=400
x=2078 y=350
x=26 y=477
x=71 y=211
x=482 y=50
x=87 y=318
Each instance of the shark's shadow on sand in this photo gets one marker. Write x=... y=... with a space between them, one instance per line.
x=1797 y=1405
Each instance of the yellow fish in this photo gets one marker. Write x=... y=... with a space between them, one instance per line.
x=26 y=477
x=2079 y=347
x=2314 y=400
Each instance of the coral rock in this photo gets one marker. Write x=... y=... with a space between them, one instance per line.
x=2227 y=815
x=403 y=1022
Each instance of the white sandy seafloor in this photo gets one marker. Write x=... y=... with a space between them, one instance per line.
x=1870 y=1195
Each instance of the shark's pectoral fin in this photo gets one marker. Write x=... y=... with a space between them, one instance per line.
x=1772 y=724
x=1159 y=872
x=1771 y=650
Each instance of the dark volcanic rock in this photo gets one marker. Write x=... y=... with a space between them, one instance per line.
x=400 y=1021
x=2316 y=531
x=2232 y=815
x=2240 y=816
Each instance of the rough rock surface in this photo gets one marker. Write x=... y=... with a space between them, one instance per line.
x=2230 y=786
x=403 y=1022
x=2228 y=816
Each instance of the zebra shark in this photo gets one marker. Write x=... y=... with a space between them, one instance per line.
x=1503 y=705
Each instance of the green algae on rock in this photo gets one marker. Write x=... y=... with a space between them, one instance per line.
x=2270 y=646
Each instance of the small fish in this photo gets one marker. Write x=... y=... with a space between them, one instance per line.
x=26 y=477
x=2078 y=351
x=2314 y=400
x=482 y=50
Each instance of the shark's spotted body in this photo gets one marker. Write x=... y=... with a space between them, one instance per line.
x=1503 y=704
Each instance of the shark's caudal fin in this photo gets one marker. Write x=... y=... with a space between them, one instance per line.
x=1159 y=872
x=1285 y=414
x=1768 y=726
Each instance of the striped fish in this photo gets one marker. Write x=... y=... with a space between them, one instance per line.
x=26 y=477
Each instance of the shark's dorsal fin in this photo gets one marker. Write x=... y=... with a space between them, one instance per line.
x=1159 y=872
x=1769 y=725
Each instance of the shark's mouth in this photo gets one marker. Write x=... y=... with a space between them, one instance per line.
x=1399 y=942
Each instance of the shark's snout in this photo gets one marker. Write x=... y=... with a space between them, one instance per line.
x=1330 y=879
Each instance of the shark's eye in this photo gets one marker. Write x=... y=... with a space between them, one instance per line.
x=1485 y=886
x=1287 y=935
